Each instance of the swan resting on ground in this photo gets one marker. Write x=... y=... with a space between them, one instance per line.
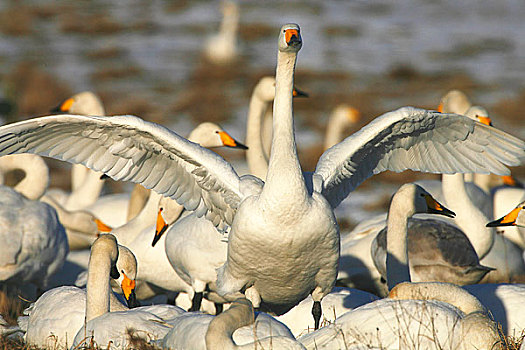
x=55 y=318
x=423 y=315
x=298 y=206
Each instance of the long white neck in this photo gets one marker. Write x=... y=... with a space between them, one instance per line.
x=334 y=130
x=229 y=23
x=36 y=179
x=97 y=284
x=257 y=161
x=266 y=133
x=87 y=192
x=147 y=216
x=284 y=178
x=483 y=181
x=221 y=328
x=397 y=268
x=468 y=217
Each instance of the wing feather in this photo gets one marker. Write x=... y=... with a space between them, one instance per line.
x=417 y=139
x=129 y=148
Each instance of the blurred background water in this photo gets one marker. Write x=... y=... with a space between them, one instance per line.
x=145 y=58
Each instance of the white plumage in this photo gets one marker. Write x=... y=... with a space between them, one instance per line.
x=289 y=226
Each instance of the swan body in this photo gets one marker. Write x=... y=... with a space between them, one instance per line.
x=154 y=266
x=55 y=318
x=437 y=252
x=35 y=243
x=299 y=207
x=504 y=303
x=427 y=315
x=195 y=330
x=334 y=304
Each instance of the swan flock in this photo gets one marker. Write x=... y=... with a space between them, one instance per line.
x=283 y=239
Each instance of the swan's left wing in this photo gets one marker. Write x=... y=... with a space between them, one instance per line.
x=130 y=149
x=416 y=139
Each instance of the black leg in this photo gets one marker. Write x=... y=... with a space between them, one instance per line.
x=196 y=302
x=218 y=308
x=316 y=312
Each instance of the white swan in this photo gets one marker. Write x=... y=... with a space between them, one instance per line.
x=221 y=49
x=154 y=266
x=335 y=304
x=34 y=241
x=306 y=249
x=437 y=251
x=342 y=117
x=102 y=326
x=86 y=184
x=193 y=245
x=505 y=199
x=237 y=328
x=424 y=315
x=55 y=318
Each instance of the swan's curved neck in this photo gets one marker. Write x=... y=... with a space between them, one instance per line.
x=130 y=230
x=285 y=177
x=36 y=179
x=471 y=220
x=98 y=291
x=445 y=292
x=87 y=192
x=334 y=131
x=397 y=268
x=221 y=328
x=257 y=162
x=229 y=24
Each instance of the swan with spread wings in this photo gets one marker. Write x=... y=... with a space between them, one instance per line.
x=284 y=238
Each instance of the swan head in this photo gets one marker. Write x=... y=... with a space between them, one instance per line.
x=265 y=90
x=126 y=266
x=454 y=101
x=479 y=114
x=211 y=135
x=516 y=217
x=290 y=38
x=418 y=201
x=346 y=115
x=82 y=103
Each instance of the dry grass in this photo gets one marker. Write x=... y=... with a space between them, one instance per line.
x=11 y=306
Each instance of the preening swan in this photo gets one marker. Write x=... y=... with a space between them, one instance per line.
x=286 y=224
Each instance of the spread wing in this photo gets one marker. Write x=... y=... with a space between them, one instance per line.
x=416 y=139
x=131 y=149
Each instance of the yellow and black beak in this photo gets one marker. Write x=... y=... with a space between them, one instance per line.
x=128 y=288
x=160 y=228
x=507 y=220
x=435 y=208
x=229 y=141
x=440 y=108
x=64 y=106
x=102 y=227
x=292 y=37
x=298 y=93
x=484 y=120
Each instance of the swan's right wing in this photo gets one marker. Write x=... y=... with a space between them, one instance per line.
x=130 y=149
x=416 y=139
